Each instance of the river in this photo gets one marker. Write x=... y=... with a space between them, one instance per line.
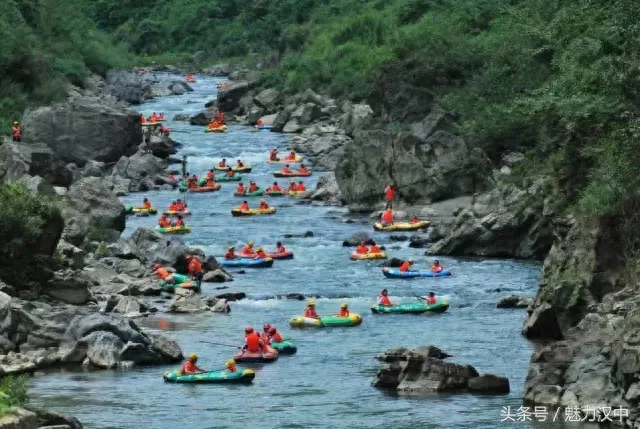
x=328 y=382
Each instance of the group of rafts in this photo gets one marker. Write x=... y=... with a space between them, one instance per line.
x=228 y=173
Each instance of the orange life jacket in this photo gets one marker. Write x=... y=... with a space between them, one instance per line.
x=384 y=300
x=405 y=266
x=343 y=312
x=301 y=187
x=387 y=216
x=244 y=206
x=311 y=312
x=252 y=341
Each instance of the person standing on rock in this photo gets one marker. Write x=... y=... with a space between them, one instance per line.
x=389 y=194
x=195 y=269
x=16 y=132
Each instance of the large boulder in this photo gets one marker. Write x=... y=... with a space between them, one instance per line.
x=187 y=301
x=282 y=117
x=18 y=160
x=229 y=97
x=268 y=99
x=358 y=116
x=162 y=147
x=92 y=211
x=143 y=170
x=125 y=85
x=423 y=170
x=70 y=286
x=321 y=146
x=505 y=222
x=424 y=370
x=203 y=117
x=218 y=70
x=327 y=191
x=304 y=115
x=83 y=129
x=157 y=248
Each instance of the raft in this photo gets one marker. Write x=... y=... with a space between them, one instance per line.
x=201 y=189
x=245 y=169
x=417 y=308
x=355 y=256
x=257 y=357
x=223 y=178
x=257 y=193
x=240 y=376
x=173 y=230
x=140 y=210
x=284 y=255
x=297 y=160
x=248 y=262
x=185 y=212
x=222 y=129
x=395 y=273
x=296 y=193
x=402 y=226
x=264 y=127
x=252 y=212
x=285 y=347
x=274 y=193
x=292 y=174
x=354 y=319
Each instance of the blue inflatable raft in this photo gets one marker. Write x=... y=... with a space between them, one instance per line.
x=248 y=263
x=395 y=273
x=264 y=127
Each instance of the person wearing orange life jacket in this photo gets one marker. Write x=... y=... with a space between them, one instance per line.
x=274 y=335
x=301 y=187
x=16 y=132
x=211 y=182
x=230 y=365
x=143 y=120
x=214 y=124
x=248 y=250
x=161 y=116
x=311 y=310
x=173 y=207
x=374 y=248
x=179 y=223
x=164 y=131
x=260 y=254
x=292 y=186
x=414 y=219
x=180 y=206
x=291 y=156
x=383 y=299
x=220 y=117
x=153 y=117
x=195 y=269
x=190 y=367
x=387 y=217
x=436 y=267
x=252 y=186
x=240 y=189
x=362 y=248
x=192 y=182
x=163 y=274
x=146 y=204
x=230 y=172
x=286 y=169
x=252 y=342
x=264 y=205
x=210 y=174
x=276 y=187
x=231 y=254
x=163 y=222
x=303 y=169
x=222 y=163
x=264 y=336
x=406 y=265
x=273 y=155
x=344 y=310
x=244 y=206
x=280 y=248
x=431 y=299
x=239 y=164
x=389 y=193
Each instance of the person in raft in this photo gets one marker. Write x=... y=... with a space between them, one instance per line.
x=231 y=254
x=263 y=205
x=223 y=163
x=301 y=187
x=291 y=156
x=260 y=254
x=286 y=169
x=436 y=267
x=179 y=223
x=375 y=248
x=292 y=186
x=387 y=217
x=344 y=310
x=273 y=155
x=146 y=204
x=230 y=172
x=248 y=250
x=303 y=169
x=406 y=265
x=431 y=298
x=240 y=189
x=163 y=222
x=383 y=299
x=264 y=335
x=274 y=335
x=414 y=219
x=253 y=187
x=252 y=342
x=230 y=365
x=362 y=248
x=280 y=248
x=259 y=123
x=244 y=206
x=239 y=164
x=180 y=205
x=190 y=367
x=311 y=310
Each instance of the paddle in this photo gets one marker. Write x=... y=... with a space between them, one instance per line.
x=418 y=297
x=220 y=344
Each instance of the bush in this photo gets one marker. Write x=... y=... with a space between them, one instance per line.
x=13 y=393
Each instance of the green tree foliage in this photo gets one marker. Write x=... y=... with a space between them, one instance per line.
x=13 y=393
x=45 y=45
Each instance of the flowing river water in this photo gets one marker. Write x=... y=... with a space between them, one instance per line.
x=328 y=382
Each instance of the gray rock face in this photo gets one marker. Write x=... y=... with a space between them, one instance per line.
x=217 y=276
x=327 y=191
x=187 y=301
x=156 y=248
x=86 y=128
x=18 y=160
x=513 y=301
x=423 y=370
x=218 y=70
x=254 y=114
x=358 y=116
x=162 y=147
x=505 y=222
x=281 y=119
x=126 y=86
x=305 y=114
x=70 y=286
x=229 y=97
x=20 y=418
x=439 y=167
x=92 y=211
x=268 y=99
x=323 y=149
x=142 y=170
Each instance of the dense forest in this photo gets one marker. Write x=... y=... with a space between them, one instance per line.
x=556 y=79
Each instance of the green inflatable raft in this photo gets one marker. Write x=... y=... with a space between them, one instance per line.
x=257 y=193
x=286 y=347
x=240 y=376
x=354 y=319
x=417 y=308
